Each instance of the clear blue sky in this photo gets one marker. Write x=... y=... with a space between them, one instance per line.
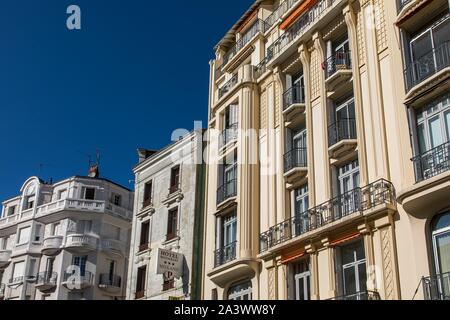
x=136 y=71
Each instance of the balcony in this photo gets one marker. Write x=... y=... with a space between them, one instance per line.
x=296 y=164
x=256 y=28
x=314 y=15
x=52 y=245
x=225 y=254
x=342 y=138
x=5 y=258
x=9 y=220
x=227 y=191
x=294 y=104
x=74 y=282
x=430 y=69
x=355 y=203
x=112 y=248
x=279 y=12
x=432 y=162
x=230 y=84
x=46 y=280
x=81 y=243
x=436 y=287
x=338 y=72
x=228 y=135
x=401 y=4
x=362 y=295
x=110 y=282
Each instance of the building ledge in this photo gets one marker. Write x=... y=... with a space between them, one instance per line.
x=234 y=270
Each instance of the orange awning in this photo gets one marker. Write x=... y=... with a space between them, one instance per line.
x=292 y=256
x=345 y=239
x=297 y=13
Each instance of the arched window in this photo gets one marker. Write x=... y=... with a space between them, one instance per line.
x=441 y=243
x=240 y=291
x=30 y=197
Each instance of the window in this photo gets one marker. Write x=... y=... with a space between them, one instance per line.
x=49 y=266
x=62 y=194
x=12 y=210
x=32 y=269
x=348 y=180
x=301 y=277
x=111 y=271
x=241 y=291
x=172 y=224
x=3 y=243
x=24 y=235
x=214 y=295
x=37 y=233
x=174 y=179
x=54 y=229
x=84 y=226
x=441 y=245
x=18 y=271
x=89 y=193
x=227 y=239
x=29 y=202
x=352 y=271
x=227 y=179
x=145 y=229
x=148 y=189
x=80 y=262
x=117 y=200
x=230 y=118
x=140 y=282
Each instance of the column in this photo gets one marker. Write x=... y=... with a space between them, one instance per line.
x=313 y=254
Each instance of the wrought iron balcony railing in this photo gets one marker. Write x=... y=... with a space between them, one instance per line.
x=260 y=69
x=362 y=295
x=110 y=280
x=226 y=191
x=278 y=13
x=230 y=84
x=356 y=200
x=46 y=277
x=338 y=61
x=225 y=254
x=433 y=162
x=229 y=134
x=295 y=94
x=257 y=27
x=436 y=287
x=82 y=277
x=296 y=158
x=299 y=27
x=341 y=130
x=428 y=65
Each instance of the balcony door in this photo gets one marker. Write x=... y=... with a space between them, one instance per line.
x=302 y=280
x=344 y=117
x=301 y=210
x=353 y=271
x=441 y=247
x=348 y=180
x=229 y=231
x=426 y=49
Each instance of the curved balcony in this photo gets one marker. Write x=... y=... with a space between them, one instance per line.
x=81 y=243
x=342 y=138
x=225 y=254
x=52 y=245
x=293 y=104
x=75 y=282
x=5 y=256
x=112 y=248
x=46 y=280
x=296 y=164
x=110 y=282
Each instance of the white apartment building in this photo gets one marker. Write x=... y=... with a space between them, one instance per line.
x=65 y=241
x=166 y=242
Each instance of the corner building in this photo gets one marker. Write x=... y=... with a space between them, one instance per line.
x=344 y=93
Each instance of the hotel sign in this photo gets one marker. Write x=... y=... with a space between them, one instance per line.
x=169 y=262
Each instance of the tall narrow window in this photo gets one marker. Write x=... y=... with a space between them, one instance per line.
x=140 y=282
x=172 y=224
x=24 y=235
x=117 y=199
x=37 y=233
x=352 y=270
x=302 y=219
x=80 y=262
x=174 y=179
x=89 y=193
x=148 y=189
x=348 y=178
x=145 y=230
x=302 y=278
x=227 y=179
x=84 y=226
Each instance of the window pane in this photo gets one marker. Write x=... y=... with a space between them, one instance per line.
x=435 y=132
x=421 y=46
x=443 y=251
x=422 y=139
x=349 y=281
x=362 y=285
x=441 y=33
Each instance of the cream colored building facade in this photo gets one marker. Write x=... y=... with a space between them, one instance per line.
x=347 y=197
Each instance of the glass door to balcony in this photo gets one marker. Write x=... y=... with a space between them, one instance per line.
x=348 y=184
x=345 y=120
x=229 y=232
x=353 y=275
x=428 y=50
x=441 y=246
x=302 y=280
x=301 y=210
x=433 y=129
